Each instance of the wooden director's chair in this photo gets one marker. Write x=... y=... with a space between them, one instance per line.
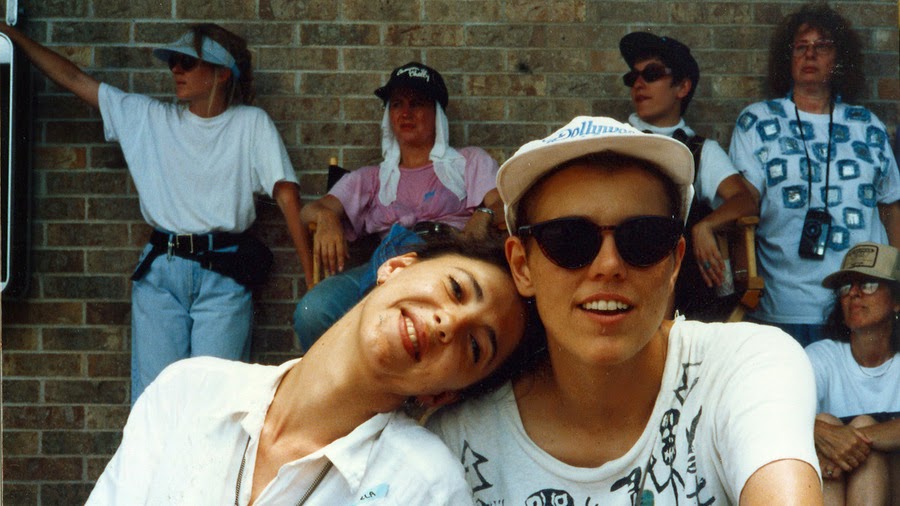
x=738 y=244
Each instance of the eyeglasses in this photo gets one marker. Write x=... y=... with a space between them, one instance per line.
x=573 y=243
x=866 y=287
x=820 y=47
x=652 y=72
x=186 y=62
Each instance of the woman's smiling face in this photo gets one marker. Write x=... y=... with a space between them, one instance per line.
x=442 y=324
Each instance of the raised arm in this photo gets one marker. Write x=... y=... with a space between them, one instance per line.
x=60 y=70
x=288 y=197
x=329 y=243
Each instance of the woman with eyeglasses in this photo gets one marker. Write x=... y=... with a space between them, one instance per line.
x=197 y=165
x=443 y=323
x=858 y=379
x=824 y=169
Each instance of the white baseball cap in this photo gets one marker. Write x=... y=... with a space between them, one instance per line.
x=587 y=135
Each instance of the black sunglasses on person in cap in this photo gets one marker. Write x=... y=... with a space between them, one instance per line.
x=186 y=62
x=652 y=72
x=573 y=243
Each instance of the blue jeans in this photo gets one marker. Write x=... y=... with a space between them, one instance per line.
x=180 y=310
x=327 y=302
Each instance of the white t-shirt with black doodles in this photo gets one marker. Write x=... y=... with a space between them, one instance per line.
x=734 y=398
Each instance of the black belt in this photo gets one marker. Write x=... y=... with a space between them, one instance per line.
x=184 y=246
x=191 y=244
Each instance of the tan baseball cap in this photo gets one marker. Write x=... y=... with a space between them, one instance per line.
x=871 y=259
x=586 y=135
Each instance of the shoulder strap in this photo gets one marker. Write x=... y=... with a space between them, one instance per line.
x=695 y=144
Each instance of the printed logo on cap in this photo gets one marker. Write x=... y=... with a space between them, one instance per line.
x=586 y=129
x=861 y=256
x=415 y=72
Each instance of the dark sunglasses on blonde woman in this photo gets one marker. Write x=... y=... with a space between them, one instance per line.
x=186 y=62
x=573 y=243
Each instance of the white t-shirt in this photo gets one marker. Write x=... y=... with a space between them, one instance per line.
x=734 y=397
x=715 y=166
x=187 y=432
x=845 y=388
x=768 y=148
x=195 y=175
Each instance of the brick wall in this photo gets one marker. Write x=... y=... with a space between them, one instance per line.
x=515 y=68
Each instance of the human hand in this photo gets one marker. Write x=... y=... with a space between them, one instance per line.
x=830 y=470
x=707 y=254
x=329 y=244
x=844 y=445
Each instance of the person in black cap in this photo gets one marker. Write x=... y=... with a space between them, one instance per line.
x=197 y=166
x=422 y=187
x=663 y=77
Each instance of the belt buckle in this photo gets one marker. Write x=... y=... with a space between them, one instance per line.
x=189 y=240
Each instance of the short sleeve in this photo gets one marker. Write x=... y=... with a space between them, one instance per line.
x=270 y=161
x=715 y=167
x=741 y=150
x=356 y=191
x=481 y=175
x=120 y=110
x=768 y=396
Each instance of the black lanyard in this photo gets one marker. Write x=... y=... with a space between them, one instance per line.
x=809 y=172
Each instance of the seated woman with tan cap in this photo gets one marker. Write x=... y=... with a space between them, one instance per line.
x=858 y=379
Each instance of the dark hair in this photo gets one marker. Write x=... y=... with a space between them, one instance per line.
x=534 y=342
x=607 y=160
x=848 y=78
x=237 y=90
x=679 y=73
x=836 y=328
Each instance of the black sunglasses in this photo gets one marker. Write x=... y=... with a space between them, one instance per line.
x=652 y=72
x=573 y=243
x=186 y=62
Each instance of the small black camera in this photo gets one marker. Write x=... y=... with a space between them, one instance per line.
x=814 y=236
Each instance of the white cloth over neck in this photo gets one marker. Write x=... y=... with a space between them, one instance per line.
x=449 y=165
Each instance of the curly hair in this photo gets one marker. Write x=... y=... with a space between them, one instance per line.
x=848 y=78
x=237 y=91
x=836 y=328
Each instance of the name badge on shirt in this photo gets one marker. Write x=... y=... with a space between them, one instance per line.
x=373 y=494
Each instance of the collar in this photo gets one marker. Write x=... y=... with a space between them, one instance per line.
x=642 y=125
x=252 y=402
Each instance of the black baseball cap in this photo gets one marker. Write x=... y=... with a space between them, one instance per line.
x=673 y=54
x=419 y=77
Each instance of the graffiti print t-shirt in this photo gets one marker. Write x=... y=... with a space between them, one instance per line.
x=770 y=149
x=734 y=397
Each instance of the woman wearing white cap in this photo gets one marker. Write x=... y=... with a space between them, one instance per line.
x=196 y=167
x=857 y=377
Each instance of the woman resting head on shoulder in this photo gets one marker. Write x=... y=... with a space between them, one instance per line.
x=443 y=323
x=857 y=430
